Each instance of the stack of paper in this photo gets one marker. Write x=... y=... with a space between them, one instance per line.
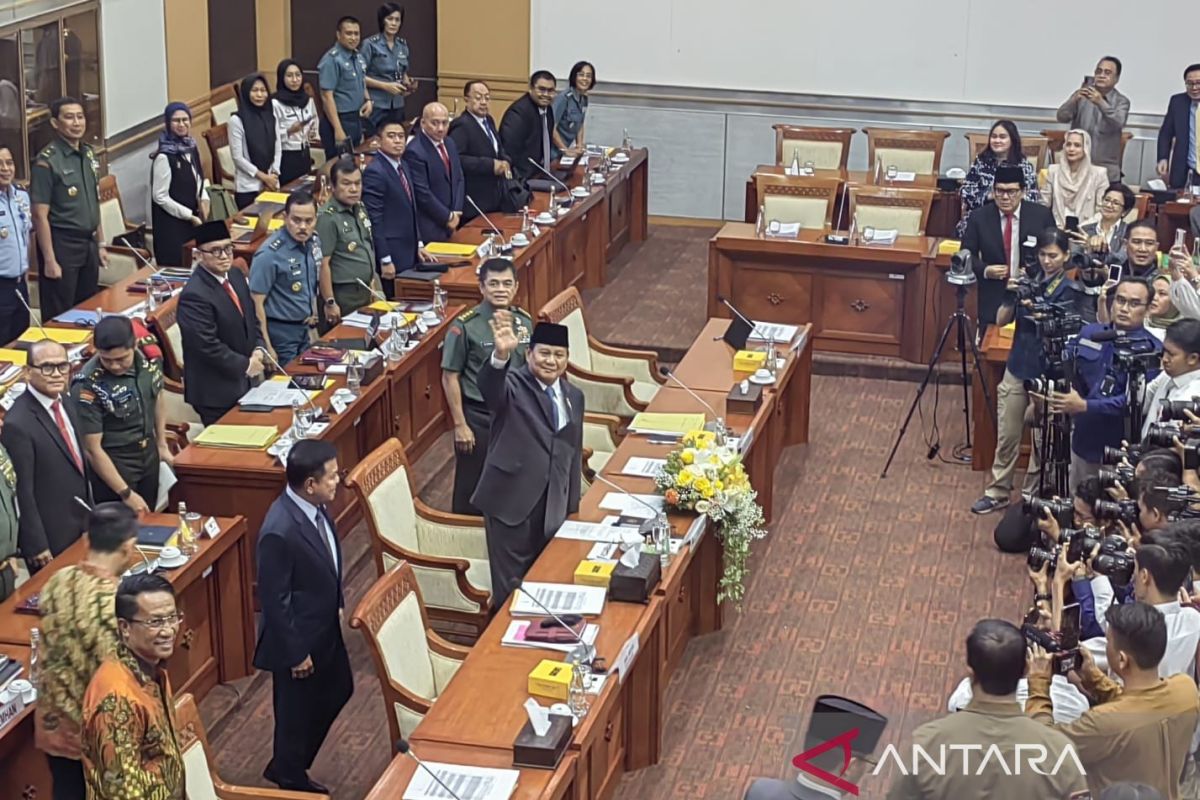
x=515 y=637
x=633 y=505
x=643 y=467
x=560 y=598
x=274 y=394
x=783 y=230
x=272 y=197
x=588 y=531
x=773 y=331
x=666 y=424
x=242 y=437
x=884 y=237
x=466 y=783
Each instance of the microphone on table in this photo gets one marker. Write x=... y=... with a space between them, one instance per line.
x=479 y=211
x=404 y=748
x=647 y=527
x=317 y=413
x=582 y=653
x=371 y=289
x=718 y=420
x=35 y=319
x=725 y=302
x=553 y=177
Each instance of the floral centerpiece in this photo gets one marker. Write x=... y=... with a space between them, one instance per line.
x=709 y=478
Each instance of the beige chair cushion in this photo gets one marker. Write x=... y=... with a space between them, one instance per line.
x=580 y=355
x=808 y=211
x=179 y=410
x=222 y=112
x=918 y=161
x=408 y=720
x=225 y=156
x=824 y=155
x=405 y=649
x=598 y=437
x=645 y=391
x=175 y=341
x=120 y=266
x=391 y=505
x=112 y=222
x=905 y=220
x=439 y=587
x=198 y=783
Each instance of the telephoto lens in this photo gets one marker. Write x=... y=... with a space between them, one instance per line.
x=1042 y=555
x=1117 y=510
x=1063 y=511
x=1117 y=566
x=1177 y=409
x=1111 y=476
x=1163 y=434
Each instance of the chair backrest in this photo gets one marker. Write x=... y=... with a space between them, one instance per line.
x=163 y=323
x=1033 y=147
x=1054 y=141
x=217 y=138
x=906 y=210
x=223 y=103
x=809 y=201
x=193 y=746
x=827 y=148
x=566 y=308
x=392 y=618
x=112 y=215
x=382 y=484
x=909 y=151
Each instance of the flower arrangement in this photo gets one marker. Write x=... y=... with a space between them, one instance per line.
x=709 y=478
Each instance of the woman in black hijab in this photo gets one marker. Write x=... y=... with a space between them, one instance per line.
x=296 y=118
x=254 y=142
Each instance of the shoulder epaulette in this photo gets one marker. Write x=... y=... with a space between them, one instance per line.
x=275 y=243
x=468 y=314
x=522 y=311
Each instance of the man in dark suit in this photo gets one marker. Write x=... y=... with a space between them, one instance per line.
x=437 y=176
x=392 y=208
x=222 y=340
x=42 y=436
x=485 y=163
x=526 y=126
x=1001 y=236
x=531 y=475
x=1179 y=136
x=300 y=634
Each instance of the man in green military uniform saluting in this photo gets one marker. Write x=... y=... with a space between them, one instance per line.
x=348 y=250
x=66 y=212
x=8 y=524
x=119 y=393
x=468 y=345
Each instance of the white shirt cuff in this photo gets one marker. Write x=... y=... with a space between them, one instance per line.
x=498 y=362
x=385 y=260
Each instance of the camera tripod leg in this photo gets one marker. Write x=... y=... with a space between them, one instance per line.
x=983 y=385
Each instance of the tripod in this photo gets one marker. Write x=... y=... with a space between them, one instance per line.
x=961 y=323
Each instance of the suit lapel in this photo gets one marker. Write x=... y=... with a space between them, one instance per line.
x=43 y=416
x=312 y=536
x=539 y=394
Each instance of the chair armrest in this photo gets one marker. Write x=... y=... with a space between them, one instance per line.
x=598 y=426
x=445 y=648
x=588 y=472
x=227 y=791
x=458 y=566
x=446 y=517
x=607 y=394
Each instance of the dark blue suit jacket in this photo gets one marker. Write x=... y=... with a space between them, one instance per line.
x=1173 y=139
x=392 y=212
x=299 y=589
x=438 y=194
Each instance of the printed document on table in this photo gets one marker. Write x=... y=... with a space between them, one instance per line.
x=276 y=394
x=466 y=783
x=561 y=598
x=643 y=467
x=627 y=505
x=765 y=331
x=588 y=531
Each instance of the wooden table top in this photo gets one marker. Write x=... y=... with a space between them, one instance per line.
x=15 y=626
x=851 y=177
x=811 y=241
x=996 y=345
x=708 y=363
x=532 y=784
x=7 y=744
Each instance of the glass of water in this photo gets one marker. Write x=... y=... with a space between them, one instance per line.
x=810 y=167
x=354 y=376
x=892 y=172
x=439 y=302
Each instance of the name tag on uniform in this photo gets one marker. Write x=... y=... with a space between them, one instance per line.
x=1090 y=344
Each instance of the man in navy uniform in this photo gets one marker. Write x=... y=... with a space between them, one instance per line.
x=16 y=250
x=284 y=279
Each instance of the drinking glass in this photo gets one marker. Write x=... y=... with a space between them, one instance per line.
x=439 y=303
x=810 y=167
x=354 y=376
x=892 y=171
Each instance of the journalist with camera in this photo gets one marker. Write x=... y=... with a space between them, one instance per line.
x=1044 y=302
x=1178 y=385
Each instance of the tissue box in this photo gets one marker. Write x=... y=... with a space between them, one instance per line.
x=542 y=752
x=636 y=584
x=594 y=573
x=551 y=679
x=748 y=403
x=749 y=360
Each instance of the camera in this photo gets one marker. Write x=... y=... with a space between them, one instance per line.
x=1176 y=409
x=1183 y=500
x=1111 y=476
x=1135 y=356
x=1053 y=322
x=1118 y=567
x=1114 y=455
x=1044 y=386
x=1080 y=544
x=1063 y=644
x=1118 y=510
x=1063 y=511
x=1039 y=556
x=1163 y=434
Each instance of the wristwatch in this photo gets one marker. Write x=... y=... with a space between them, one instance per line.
x=329 y=302
x=1039 y=596
x=125 y=493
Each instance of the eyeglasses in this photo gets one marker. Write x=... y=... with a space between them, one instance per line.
x=223 y=250
x=49 y=370
x=160 y=623
x=1192 y=84
x=1007 y=192
x=1125 y=302
x=1109 y=203
x=544 y=90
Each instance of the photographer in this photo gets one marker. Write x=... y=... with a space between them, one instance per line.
x=1180 y=370
x=1141 y=729
x=1098 y=401
x=1047 y=284
x=1017 y=534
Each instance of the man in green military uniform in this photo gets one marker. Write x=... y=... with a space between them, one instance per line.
x=468 y=345
x=66 y=212
x=348 y=250
x=8 y=524
x=283 y=279
x=119 y=393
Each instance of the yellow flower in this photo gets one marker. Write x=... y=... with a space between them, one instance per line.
x=718 y=485
x=704 y=487
x=684 y=479
x=687 y=456
x=714 y=459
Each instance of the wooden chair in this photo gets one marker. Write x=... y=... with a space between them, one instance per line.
x=909 y=151
x=201 y=780
x=182 y=419
x=614 y=380
x=448 y=552
x=224 y=102
x=1055 y=140
x=413 y=663
x=809 y=201
x=601 y=437
x=827 y=148
x=114 y=229
x=1033 y=147
x=906 y=210
x=220 y=156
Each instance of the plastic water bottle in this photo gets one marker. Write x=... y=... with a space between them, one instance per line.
x=759 y=226
x=187 y=539
x=795 y=162
x=35 y=658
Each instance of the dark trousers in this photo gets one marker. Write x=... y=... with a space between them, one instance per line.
x=14 y=319
x=352 y=124
x=8 y=580
x=512 y=549
x=288 y=339
x=382 y=115
x=243 y=199
x=142 y=478
x=210 y=415
x=469 y=466
x=294 y=164
x=79 y=256
x=305 y=709
x=67 y=774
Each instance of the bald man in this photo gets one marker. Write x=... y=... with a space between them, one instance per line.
x=437 y=176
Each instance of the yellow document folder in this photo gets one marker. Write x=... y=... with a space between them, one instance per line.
x=451 y=249
x=272 y=197
x=273 y=225
x=242 y=437
x=12 y=356
x=60 y=335
x=647 y=422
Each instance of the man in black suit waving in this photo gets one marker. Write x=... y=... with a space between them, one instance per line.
x=222 y=340
x=41 y=434
x=300 y=635
x=1001 y=236
x=530 y=480
x=485 y=164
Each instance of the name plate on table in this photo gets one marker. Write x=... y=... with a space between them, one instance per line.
x=10 y=711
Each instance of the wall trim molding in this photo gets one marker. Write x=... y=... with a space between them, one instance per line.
x=137 y=136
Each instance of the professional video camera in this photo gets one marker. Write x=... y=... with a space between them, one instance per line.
x=1135 y=355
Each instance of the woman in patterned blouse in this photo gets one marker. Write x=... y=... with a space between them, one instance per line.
x=1004 y=147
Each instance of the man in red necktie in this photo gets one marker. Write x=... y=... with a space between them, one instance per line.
x=437 y=176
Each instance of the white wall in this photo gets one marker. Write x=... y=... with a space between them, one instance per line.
x=135 y=62
x=944 y=50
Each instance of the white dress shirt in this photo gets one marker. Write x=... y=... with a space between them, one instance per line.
x=1164 y=388
x=245 y=177
x=1183 y=632
x=286 y=116
x=561 y=406
x=160 y=187
x=47 y=403
x=1068 y=702
x=319 y=522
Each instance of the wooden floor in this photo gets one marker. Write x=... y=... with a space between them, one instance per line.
x=864 y=587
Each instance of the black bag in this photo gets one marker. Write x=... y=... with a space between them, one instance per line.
x=514 y=195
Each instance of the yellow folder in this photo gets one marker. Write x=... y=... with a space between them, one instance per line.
x=13 y=356
x=60 y=335
x=244 y=437
x=666 y=423
x=451 y=249
x=272 y=197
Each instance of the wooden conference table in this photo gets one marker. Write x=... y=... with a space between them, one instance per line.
x=481 y=709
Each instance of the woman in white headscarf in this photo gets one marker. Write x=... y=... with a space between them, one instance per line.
x=1075 y=185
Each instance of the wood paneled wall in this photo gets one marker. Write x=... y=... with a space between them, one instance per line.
x=484 y=40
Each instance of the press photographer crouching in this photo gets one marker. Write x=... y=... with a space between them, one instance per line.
x=1026 y=299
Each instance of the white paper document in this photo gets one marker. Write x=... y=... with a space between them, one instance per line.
x=276 y=394
x=783 y=230
x=884 y=237
x=512 y=637
x=905 y=177
x=630 y=507
x=467 y=783
x=560 y=598
x=643 y=467
x=767 y=331
x=588 y=531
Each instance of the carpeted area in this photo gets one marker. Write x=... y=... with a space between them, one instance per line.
x=864 y=587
